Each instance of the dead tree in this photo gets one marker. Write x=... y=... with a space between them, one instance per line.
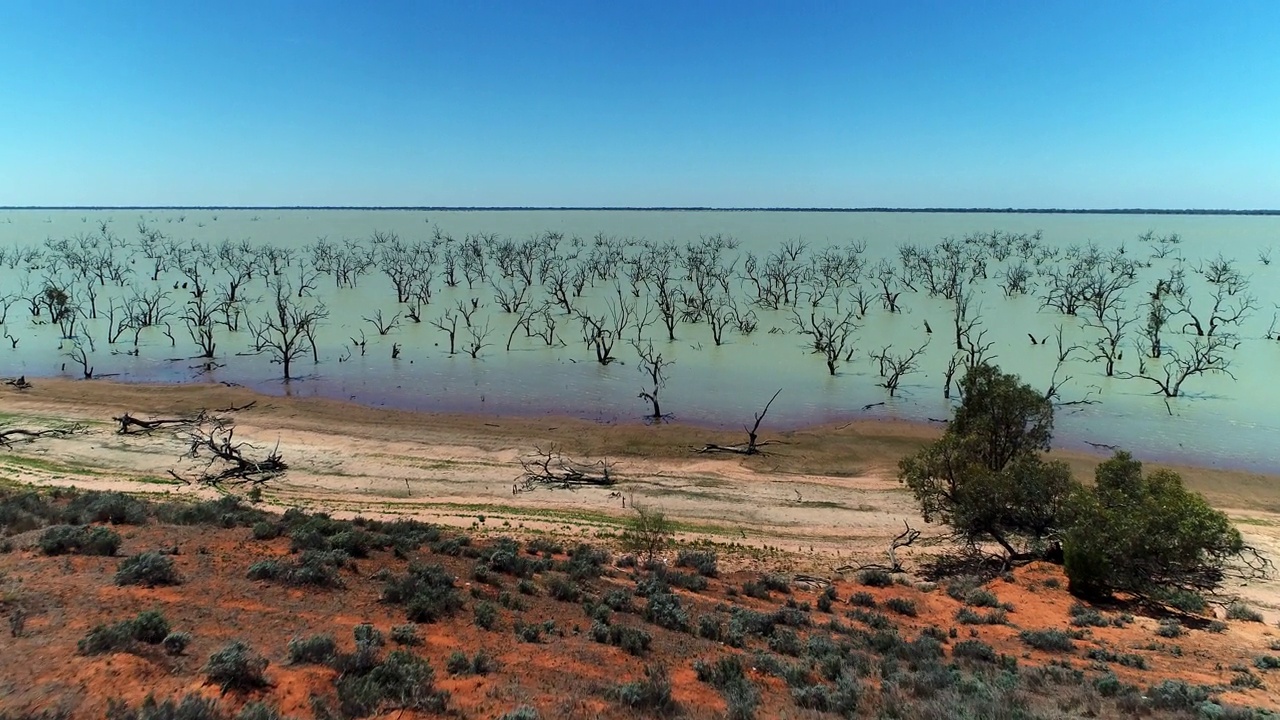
x=829 y=336
x=477 y=339
x=9 y=436
x=448 y=322
x=1107 y=347
x=895 y=367
x=285 y=331
x=550 y=468
x=81 y=357
x=382 y=325
x=1201 y=355
x=198 y=318
x=753 y=444
x=903 y=539
x=220 y=460
x=653 y=366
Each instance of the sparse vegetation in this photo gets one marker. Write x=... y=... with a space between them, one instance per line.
x=148 y=569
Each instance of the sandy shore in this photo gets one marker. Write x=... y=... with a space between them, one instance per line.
x=822 y=497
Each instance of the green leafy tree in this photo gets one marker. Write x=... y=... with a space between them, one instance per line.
x=648 y=532
x=987 y=476
x=1150 y=537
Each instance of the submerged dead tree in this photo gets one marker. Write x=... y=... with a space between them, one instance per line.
x=753 y=442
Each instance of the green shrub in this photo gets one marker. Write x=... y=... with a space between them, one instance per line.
x=902 y=606
x=1267 y=662
x=968 y=616
x=401 y=681
x=79 y=539
x=710 y=627
x=236 y=667
x=1246 y=680
x=648 y=532
x=428 y=593
x=633 y=641
x=651 y=694
x=406 y=635
x=785 y=642
x=227 y=511
x=458 y=663
x=862 y=599
x=266 y=530
x=1051 y=640
x=664 y=610
x=974 y=650
x=486 y=615
x=1176 y=695
x=313 y=650
x=563 y=589
x=826 y=598
x=148 y=569
x=875 y=578
x=175 y=643
x=1240 y=611
x=703 y=562
x=116 y=508
x=524 y=712
x=190 y=707
x=148 y=627
x=1170 y=628
x=1142 y=533
x=981 y=597
x=1085 y=616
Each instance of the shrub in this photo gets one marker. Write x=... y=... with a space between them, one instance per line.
x=710 y=627
x=1169 y=628
x=175 y=643
x=148 y=627
x=1052 y=640
x=703 y=562
x=406 y=634
x=524 y=712
x=236 y=667
x=313 y=650
x=981 y=597
x=401 y=681
x=148 y=569
x=266 y=530
x=486 y=615
x=862 y=599
x=1246 y=680
x=586 y=562
x=427 y=591
x=563 y=589
x=1267 y=662
x=902 y=606
x=826 y=598
x=618 y=601
x=785 y=642
x=116 y=508
x=1240 y=611
x=316 y=568
x=648 y=532
x=1143 y=533
x=528 y=633
x=875 y=578
x=974 y=650
x=755 y=590
x=777 y=583
x=664 y=610
x=458 y=663
x=82 y=540
x=1085 y=616
x=190 y=707
x=968 y=616
x=633 y=641
x=728 y=676
x=652 y=694
x=1176 y=695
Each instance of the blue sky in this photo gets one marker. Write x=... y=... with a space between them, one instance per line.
x=848 y=104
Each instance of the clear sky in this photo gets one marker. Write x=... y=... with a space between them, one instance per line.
x=846 y=104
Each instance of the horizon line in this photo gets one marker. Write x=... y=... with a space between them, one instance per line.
x=673 y=208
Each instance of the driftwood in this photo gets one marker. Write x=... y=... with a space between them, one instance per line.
x=129 y=423
x=551 y=467
x=903 y=539
x=213 y=440
x=19 y=382
x=8 y=436
x=753 y=444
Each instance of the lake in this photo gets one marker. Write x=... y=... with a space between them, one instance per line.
x=1215 y=420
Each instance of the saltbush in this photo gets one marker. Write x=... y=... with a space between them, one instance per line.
x=318 y=649
x=148 y=569
x=236 y=667
x=79 y=539
x=428 y=593
x=702 y=561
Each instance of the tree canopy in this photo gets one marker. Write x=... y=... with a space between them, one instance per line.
x=987 y=476
x=1145 y=535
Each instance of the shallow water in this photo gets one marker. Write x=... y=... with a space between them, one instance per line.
x=1219 y=421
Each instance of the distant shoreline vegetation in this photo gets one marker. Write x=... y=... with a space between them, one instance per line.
x=501 y=208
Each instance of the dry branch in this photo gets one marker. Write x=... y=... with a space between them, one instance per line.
x=213 y=440
x=753 y=444
x=551 y=467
